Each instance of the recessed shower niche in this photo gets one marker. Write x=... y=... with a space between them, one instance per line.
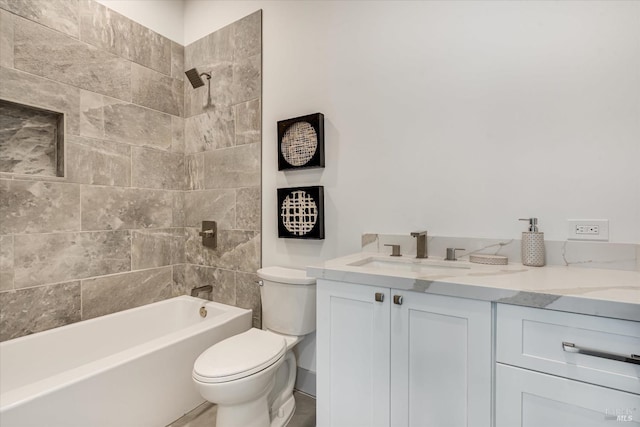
x=31 y=140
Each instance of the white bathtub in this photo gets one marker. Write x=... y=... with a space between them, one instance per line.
x=127 y=369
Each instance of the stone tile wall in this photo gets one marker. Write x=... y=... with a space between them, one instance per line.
x=223 y=163
x=120 y=229
x=147 y=159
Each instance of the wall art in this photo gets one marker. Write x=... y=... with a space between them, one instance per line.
x=301 y=142
x=301 y=212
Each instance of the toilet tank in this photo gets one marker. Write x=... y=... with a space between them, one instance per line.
x=288 y=301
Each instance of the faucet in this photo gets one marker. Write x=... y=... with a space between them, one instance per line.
x=422 y=243
x=196 y=291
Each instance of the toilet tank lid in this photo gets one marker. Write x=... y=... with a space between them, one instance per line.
x=290 y=276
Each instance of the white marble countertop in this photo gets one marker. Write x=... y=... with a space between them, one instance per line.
x=608 y=293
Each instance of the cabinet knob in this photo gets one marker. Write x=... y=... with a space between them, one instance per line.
x=379 y=296
x=397 y=299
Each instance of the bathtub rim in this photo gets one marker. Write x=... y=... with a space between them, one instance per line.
x=35 y=390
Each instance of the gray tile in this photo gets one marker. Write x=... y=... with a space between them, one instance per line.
x=96 y=161
x=177 y=134
x=29 y=140
x=205 y=414
x=212 y=48
x=91 y=114
x=105 y=28
x=157 y=247
x=248 y=35
x=219 y=94
x=194 y=169
x=177 y=61
x=248 y=207
x=305 y=414
x=157 y=169
x=109 y=30
x=202 y=416
x=32 y=310
x=248 y=122
x=6 y=39
x=247 y=79
x=150 y=49
x=61 y=15
x=210 y=130
x=179 y=286
x=51 y=258
x=58 y=57
x=106 y=295
x=210 y=205
x=40 y=92
x=178 y=207
x=113 y=208
x=236 y=250
x=156 y=90
x=223 y=282
x=232 y=167
x=137 y=125
x=6 y=263
x=38 y=207
x=248 y=296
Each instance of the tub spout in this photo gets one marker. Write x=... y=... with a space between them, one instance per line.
x=197 y=291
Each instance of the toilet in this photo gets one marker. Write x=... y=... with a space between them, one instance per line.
x=250 y=376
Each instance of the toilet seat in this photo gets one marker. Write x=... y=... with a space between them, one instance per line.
x=239 y=356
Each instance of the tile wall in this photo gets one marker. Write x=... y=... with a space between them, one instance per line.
x=147 y=159
x=223 y=162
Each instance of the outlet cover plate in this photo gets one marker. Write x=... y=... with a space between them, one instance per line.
x=588 y=229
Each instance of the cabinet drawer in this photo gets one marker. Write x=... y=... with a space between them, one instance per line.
x=533 y=338
x=530 y=399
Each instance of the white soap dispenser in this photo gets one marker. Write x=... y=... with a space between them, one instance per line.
x=532 y=244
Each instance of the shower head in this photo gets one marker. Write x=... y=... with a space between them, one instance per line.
x=195 y=78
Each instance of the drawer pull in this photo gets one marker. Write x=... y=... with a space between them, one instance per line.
x=570 y=347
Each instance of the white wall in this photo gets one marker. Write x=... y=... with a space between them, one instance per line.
x=455 y=117
x=165 y=17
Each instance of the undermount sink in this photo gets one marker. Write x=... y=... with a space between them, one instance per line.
x=412 y=265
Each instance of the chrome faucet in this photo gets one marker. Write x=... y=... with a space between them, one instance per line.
x=196 y=291
x=422 y=243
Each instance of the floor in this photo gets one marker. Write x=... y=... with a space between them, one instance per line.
x=205 y=414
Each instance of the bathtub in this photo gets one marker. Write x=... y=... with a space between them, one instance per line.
x=127 y=369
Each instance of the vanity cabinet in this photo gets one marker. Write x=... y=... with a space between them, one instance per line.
x=388 y=357
x=565 y=369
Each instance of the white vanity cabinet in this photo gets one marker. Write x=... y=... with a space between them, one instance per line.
x=399 y=358
x=559 y=369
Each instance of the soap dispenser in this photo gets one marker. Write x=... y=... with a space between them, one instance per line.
x=532 y=244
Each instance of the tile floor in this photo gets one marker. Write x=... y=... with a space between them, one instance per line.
x=205 y=414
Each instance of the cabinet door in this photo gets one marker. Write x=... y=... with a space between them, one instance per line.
x=527 y=398
x=440 y=361
x=353 y=355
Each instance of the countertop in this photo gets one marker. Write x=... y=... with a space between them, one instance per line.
x=607 y=293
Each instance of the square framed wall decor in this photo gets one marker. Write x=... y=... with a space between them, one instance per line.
x=301 y=212
x=301 y=142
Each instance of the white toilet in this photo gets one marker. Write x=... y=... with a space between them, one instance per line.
x=250 y=376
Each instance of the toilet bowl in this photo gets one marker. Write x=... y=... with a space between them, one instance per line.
x=251 y=376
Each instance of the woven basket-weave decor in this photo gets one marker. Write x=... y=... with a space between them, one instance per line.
x=301 y=142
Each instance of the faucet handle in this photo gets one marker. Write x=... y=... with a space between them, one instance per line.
x=395 y=250
x=418 y=233
x=451 y=254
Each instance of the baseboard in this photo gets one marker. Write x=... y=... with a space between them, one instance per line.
x=306 y=381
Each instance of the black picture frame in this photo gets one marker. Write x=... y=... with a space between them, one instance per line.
x=301 y=212
x=301 y=142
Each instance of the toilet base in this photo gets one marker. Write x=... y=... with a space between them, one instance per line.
x=284 y=414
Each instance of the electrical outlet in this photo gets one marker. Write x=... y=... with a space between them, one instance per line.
x=588 y=229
